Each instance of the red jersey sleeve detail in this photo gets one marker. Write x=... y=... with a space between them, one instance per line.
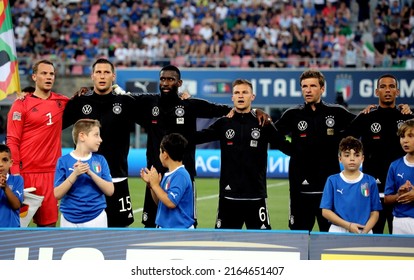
x=15 y=121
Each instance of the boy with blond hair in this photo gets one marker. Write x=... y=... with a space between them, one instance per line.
x=399 y=184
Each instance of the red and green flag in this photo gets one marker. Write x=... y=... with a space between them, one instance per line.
x=9 y=72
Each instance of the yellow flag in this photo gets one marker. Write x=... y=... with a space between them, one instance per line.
x=9 y=72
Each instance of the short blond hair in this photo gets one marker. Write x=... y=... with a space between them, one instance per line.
x=83 y=125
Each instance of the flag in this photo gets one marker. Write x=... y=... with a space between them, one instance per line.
x=9 y=72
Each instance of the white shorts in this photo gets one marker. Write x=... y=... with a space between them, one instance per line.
x=99 y=222
x=335 y=228
x=403 y=225
x=191 y=227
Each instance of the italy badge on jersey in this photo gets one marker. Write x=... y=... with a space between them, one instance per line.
x=365 y=189
x=96 y=166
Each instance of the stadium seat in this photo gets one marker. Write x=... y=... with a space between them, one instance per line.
x=179 y=61
x=245 y=61
x=293 y=60
x=228 y=50
x=77 y=70
x=235 y=61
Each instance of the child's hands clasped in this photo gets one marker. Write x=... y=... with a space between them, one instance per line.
x=150 y=176
x=3 y=179
x=405 y=193
x=80 y=168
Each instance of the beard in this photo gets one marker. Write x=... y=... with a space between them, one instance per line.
x=171 y=97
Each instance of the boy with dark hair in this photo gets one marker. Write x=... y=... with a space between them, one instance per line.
x=350 y=199
x=174 y=194
x=11 y=191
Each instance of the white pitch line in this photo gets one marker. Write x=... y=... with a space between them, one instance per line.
x=139 y=210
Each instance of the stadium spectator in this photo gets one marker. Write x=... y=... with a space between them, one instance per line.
x=124 y=21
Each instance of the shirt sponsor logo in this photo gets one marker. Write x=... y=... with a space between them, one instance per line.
x=230 y=134
x=87 y=109
x=155 y=111
x=375 y=127
x=302 y=125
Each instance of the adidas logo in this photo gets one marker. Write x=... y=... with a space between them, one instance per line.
x=305 y=182
x=263 y=227
x=227 y=188
x=130 y=215
x=378 y=181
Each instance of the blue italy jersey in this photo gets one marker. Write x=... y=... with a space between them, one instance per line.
x=399 y=172
x=10 y=217
x=352 y=200
x=84 y=201
x=177 y=184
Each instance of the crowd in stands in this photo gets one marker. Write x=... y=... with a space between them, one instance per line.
x=222 y=33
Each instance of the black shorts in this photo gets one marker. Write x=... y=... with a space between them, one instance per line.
x=232 y=214
x=149 y=211
x=118 y=206
x=304 y=210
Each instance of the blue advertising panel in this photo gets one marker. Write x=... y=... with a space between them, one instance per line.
x=152 y=244
x=208 y=163
x=274 y=87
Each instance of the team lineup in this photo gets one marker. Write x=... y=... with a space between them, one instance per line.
x=89 y=186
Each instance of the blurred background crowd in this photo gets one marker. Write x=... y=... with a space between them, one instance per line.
x=202 y=33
